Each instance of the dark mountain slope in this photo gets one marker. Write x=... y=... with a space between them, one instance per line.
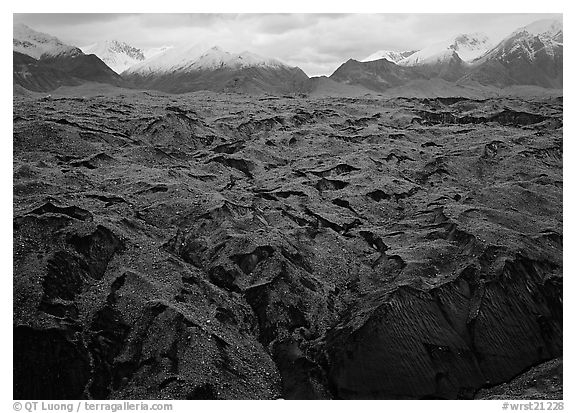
x=34 y=75
x=85 y=67
x=45 y=75
x=251 y=80
x=377 y=75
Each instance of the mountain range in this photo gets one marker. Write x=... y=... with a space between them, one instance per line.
x=190 y=69
x=120 y=56
x=531 y=55
x=466 y=46
x=42 y=63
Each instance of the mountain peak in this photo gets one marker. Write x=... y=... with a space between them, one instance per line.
x=530 y=55
x=537 y=38
x=470 y=40
x=216 y=58
x=116 y=54
x=36 y=44
x=466 y=46
x=548 y=31
x=114 y=46
x=194 y=58
x=390 y=55
x=545 y=27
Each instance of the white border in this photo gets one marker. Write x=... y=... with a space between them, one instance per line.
x=244 y=6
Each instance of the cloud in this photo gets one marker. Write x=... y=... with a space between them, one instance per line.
x=317 y=43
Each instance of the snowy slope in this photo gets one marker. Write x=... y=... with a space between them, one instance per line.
x=390 y=55
x=195 y=68
x=531 y=55
x=117 y=55
x=548 y=32
x=529 y=42
x=467 y=46
x=153 y=51
x=194 y=58
x=36 y=44
x=547 y=28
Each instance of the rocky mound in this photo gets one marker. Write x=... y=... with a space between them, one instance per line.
x=221 y=247
x=542 y=382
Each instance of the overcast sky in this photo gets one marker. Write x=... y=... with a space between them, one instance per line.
x=317 y=43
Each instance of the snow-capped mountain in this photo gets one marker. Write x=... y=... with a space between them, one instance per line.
x=390 y=55
x=542 y=36
x=189 y=59
x=41 y=62
x=530 y=55
x=548 y=29
x=119 y=56
x=187 y=69
x=36 y=44
x=466 y=46
x=216 y=58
